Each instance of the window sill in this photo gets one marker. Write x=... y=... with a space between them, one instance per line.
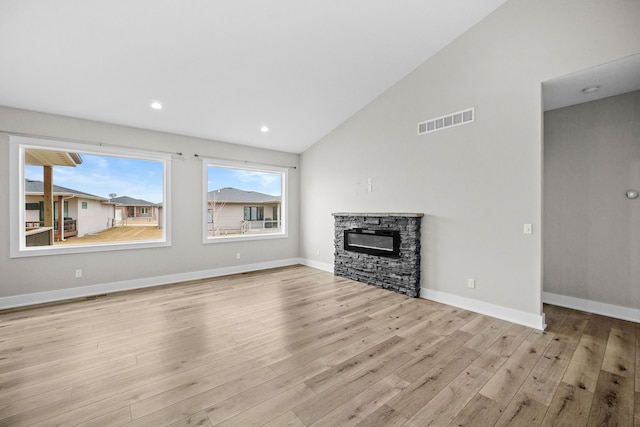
x=75 y=249
x=244 y=237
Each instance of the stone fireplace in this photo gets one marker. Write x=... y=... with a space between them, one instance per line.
x=380 y=249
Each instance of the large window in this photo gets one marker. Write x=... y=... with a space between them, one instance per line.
x=70 y=197
x=253 y=213
x=243 y=202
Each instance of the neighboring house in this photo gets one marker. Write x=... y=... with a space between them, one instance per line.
x=234 y=211
x=129 y=208
x=82 y=213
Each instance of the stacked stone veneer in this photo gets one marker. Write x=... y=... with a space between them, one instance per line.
x=401 y=274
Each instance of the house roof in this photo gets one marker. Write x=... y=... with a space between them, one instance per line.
x=37 y=187
x=130 y=201
x=234 y=195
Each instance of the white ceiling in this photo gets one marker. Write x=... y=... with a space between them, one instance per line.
x=614 y=78
x=222 y=69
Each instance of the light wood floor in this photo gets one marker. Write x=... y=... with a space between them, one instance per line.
x=299 y=347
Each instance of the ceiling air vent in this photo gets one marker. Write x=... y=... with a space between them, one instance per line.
x=444 y=122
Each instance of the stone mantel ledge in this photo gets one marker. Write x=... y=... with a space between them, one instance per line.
x=379 y=214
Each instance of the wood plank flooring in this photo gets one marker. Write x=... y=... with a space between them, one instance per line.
x=297 y=346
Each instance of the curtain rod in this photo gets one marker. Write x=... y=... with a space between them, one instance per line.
x=246 y=162
x=79 y=141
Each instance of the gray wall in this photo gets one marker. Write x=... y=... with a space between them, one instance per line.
x=477 y=184
x=592 y=231
x=187 y=253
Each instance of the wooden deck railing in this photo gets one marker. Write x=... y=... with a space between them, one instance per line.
x=69 y=225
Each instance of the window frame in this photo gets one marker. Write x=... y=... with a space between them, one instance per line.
x=18 y=144
x=254 y=167
x=65 y=210
x=258 y=210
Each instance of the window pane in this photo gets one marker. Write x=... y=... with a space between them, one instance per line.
x=237 y=198
x=56 y=211
x=99 y=193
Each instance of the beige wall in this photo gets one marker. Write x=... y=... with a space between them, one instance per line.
x=229 y=218
x=187 y=254
x=96 y=217
x=592 y=231
x=74 y=207
x=477 y=184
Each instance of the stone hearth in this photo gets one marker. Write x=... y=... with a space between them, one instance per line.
x=397 y=273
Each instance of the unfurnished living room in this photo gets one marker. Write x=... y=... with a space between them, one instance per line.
x=320 y=213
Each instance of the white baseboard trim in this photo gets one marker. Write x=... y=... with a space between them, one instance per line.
x=516 y=316
x=610 y=310
x=127 y=285
x=317 y=264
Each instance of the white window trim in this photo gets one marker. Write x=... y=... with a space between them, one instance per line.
x=284 y=201
x=18 y=246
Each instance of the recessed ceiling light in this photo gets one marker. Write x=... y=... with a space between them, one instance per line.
x=264 y=129
x=590 y=89
x=156 y=105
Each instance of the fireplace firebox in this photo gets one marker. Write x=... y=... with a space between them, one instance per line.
x=379 y=248
x=373 y=242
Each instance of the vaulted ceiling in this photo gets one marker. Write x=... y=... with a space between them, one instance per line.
x=221 y=69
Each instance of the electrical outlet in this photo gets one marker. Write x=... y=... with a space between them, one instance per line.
x=78 y=274
x=471 y=283
x=238 y=255
x=317 y=252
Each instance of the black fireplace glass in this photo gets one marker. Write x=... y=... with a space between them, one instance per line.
x=373 y=242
